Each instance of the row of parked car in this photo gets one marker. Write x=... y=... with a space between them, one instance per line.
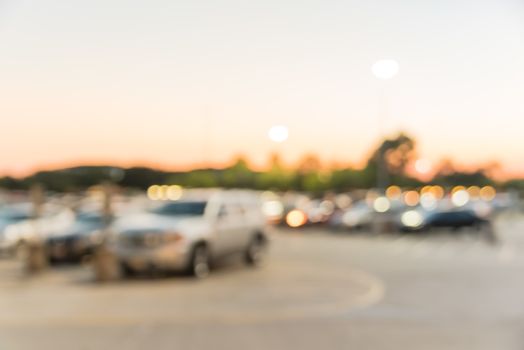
x=183 y=235
x=346 y=213
x=197 y=228
x=409 y=219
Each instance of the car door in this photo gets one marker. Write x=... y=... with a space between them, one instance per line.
x=243 y=226
x=228 y=228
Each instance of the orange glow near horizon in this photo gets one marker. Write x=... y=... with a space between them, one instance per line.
x=260 y=163
x=193 y=84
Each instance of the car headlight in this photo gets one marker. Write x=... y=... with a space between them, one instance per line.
x=349 y=219
x=171 y=237
x=412 y=218
x=152 y=240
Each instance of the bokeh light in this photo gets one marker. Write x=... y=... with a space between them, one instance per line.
x=381 y=205
x=278 y=133
x=343 y=201
x=174 y=192
x=474 y=192
x=154 y=193
x=164 y=192
x=393 y=192
x=273 y=208
x=296 y=218
x=428 y=201
x=426 y=189
x=438 y=192
x=457 y=189
x=460 y=198
x=411 y=198
x=327 y=207
x=385 y=69
x=412 y=218
x=488 y=193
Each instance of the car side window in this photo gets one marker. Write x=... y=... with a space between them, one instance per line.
x=231 y=210
x=467 y=217
x=223 y=211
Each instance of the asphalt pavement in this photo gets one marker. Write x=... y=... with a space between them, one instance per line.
x=450 y=290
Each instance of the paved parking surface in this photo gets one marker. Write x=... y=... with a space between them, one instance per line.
x=319 y=289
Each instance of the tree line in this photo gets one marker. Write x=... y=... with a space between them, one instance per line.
x=392 y=158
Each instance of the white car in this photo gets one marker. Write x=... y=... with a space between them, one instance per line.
x=53 y=219
x=360 y=215
x=10 y=215
x=189 y=233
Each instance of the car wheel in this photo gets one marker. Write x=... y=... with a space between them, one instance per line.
x=199 y=265
x=256 y=251
x=126 y=271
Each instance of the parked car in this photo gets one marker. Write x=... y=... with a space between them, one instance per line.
x=190 y=233
x=417 y=220
x=77 y=241
x=358 y=216
x=9 y=215
x=52 y=219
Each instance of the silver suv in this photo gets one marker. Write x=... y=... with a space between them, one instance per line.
x=189 y=233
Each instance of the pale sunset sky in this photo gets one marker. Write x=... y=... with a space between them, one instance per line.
x=177 y=84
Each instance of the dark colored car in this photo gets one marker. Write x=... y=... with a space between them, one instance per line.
x=452 y=219
x=77 y=241
x=455 y=220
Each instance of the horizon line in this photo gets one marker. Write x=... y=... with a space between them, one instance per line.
x=501 y=175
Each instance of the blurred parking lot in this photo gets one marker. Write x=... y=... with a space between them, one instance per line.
x=262 y=175
x=318 y=288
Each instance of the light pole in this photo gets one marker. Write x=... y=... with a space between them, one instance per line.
x=383 y=70
x=277 y=134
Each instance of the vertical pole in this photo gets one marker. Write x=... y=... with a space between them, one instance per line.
x=36 y=193
x=379 y=224
x=35 y=255
x=104 y=263
x=107 y=210
x=382 y=175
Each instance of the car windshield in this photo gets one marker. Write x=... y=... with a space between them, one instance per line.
x=89 y=218
x=14 y=217
x=182 y=209
x=449 y=217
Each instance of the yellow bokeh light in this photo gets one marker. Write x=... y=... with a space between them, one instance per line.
x=411 y=198
x=163 y=192
x=393 y=192
x=488 y=193
x=474 y=192
x=296 y=218
x=457 y=189
x=426 y=189
x=174 y=192
x=154 y=193
x=438 y=192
